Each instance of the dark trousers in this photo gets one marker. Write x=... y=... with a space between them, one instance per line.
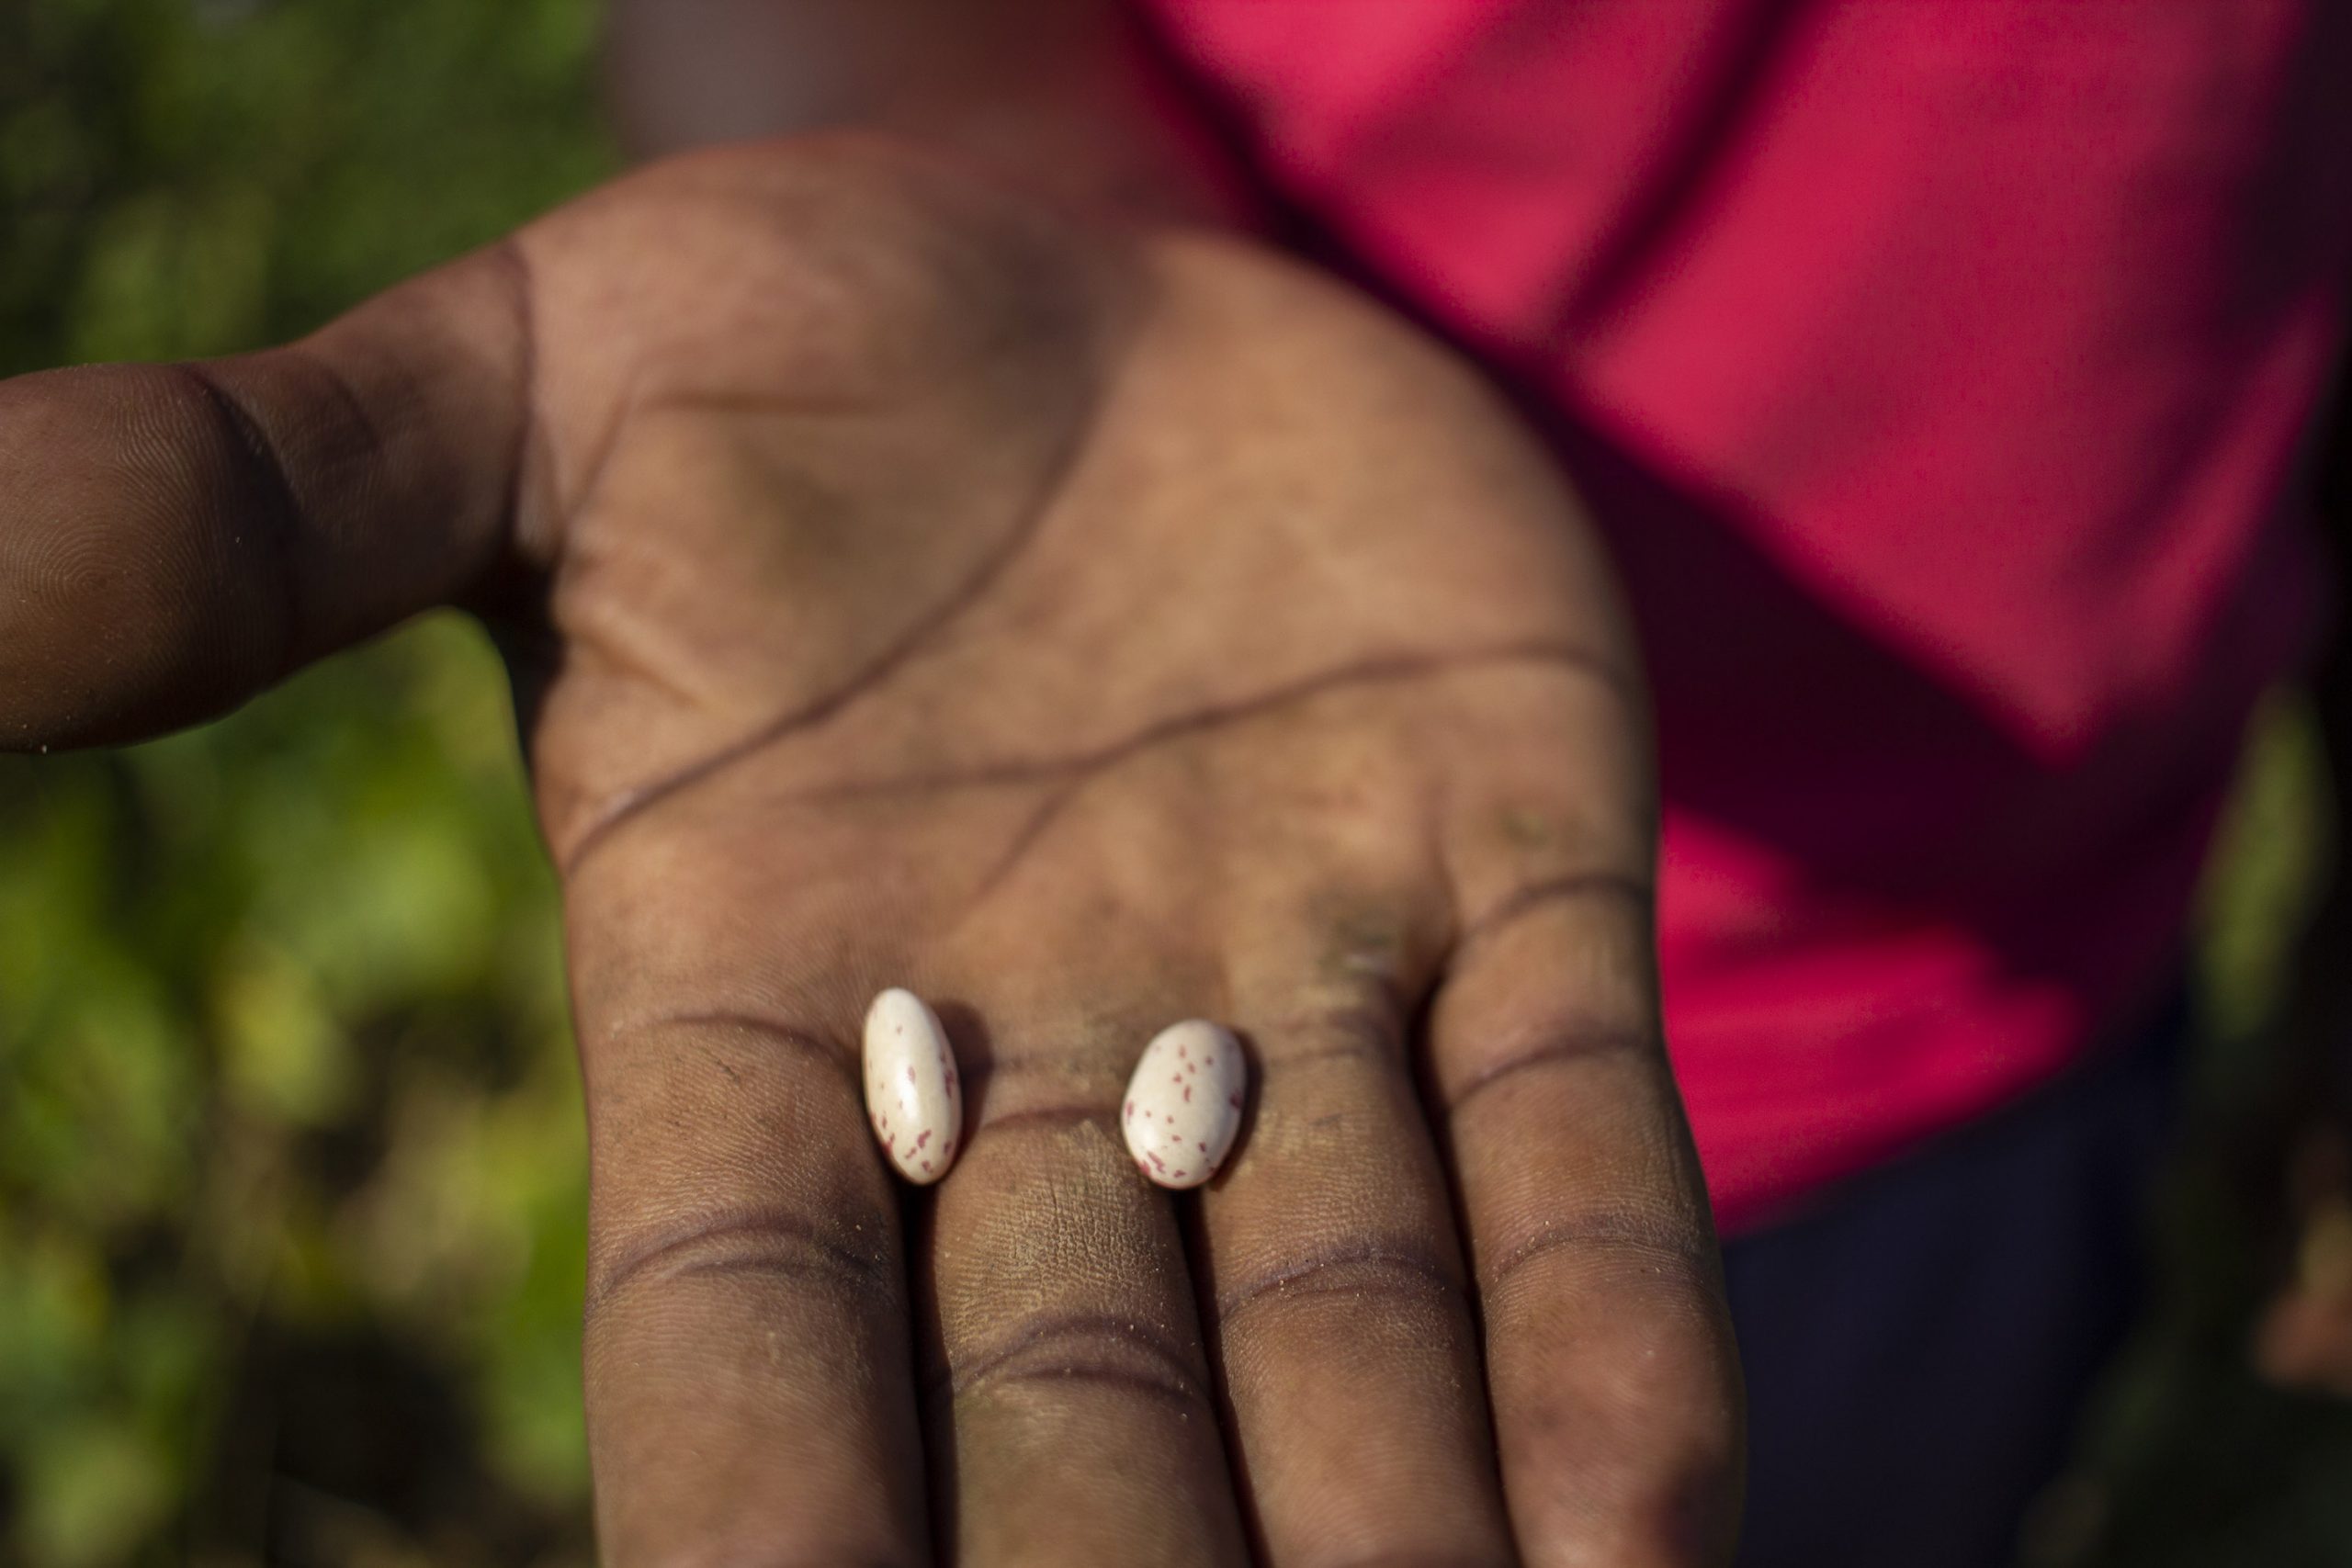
x=1919 y=1345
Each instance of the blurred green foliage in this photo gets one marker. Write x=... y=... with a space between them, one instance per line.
x=291 y=1170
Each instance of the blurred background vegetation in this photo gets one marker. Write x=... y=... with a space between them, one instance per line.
x=291 y=1172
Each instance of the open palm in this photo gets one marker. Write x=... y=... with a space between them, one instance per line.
x=906 y=586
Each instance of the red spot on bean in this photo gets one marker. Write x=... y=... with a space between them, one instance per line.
x=922 y=1137
x=1188 y=1094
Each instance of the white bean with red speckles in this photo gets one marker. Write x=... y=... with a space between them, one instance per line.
x=1183 y=1105
x=912 y=1098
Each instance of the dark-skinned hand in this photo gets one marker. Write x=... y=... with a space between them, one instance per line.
x=906 y=586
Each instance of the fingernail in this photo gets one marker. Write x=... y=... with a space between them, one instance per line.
x=912 y=1099
x=1183 y=1104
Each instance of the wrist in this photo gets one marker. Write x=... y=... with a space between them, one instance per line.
x=1062 y=97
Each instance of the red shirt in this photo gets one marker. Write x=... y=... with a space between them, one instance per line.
x=1939 y=370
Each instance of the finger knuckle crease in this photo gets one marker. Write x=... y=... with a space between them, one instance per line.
x=846 y=1255
x=1557 y=1046
x=277 y=508
x=1371 y=1268
x=789 y=1039
x=1093 y=1350
x=1628 y=1242
x=1634 y=893
x=1366 y=1033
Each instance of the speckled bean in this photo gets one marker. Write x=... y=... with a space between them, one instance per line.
x=1183 y=1104
x=912 y=1098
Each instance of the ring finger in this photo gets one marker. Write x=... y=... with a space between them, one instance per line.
x=1072 y=1413
x=1335 y=1286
